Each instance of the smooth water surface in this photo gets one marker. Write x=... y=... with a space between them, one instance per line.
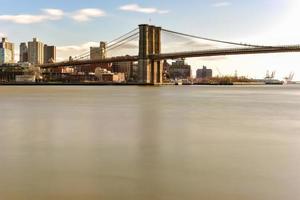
x=150 y=143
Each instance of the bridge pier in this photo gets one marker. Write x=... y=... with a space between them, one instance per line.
x=150 y=71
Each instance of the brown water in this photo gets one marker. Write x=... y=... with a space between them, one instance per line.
x=148 y=143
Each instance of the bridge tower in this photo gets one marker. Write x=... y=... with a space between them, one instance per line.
x=149 y=70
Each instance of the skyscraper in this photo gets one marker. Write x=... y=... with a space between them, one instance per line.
x=49 y=54
x=35 y=52
x=6 y=51
x=23 y=52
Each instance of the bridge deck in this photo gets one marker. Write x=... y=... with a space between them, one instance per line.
x=188 y=54
x=223 y=52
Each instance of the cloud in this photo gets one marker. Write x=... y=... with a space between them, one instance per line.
x=48 y=14
x=23 y=19
x=63 y=52
x=137 y=8
x=53 y=14
x=221 y=4
x=87 y=14
x=2 y=35
x=82 y=47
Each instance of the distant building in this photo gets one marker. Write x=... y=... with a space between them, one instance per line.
x=23 y=52
x=180 y=70
x=24 y=64
x=49 y=54
x=166 y=66
x=166 y=70
x=123 y=67
x=25 y=78
x=98 y=52
x=35 y=52
x=134 y=72
x=113 y=77
x=7 y=53
x=61 y=70
x=106 y=76
x=204 y=73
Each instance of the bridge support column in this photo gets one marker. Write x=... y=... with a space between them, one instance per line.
x=150 y=71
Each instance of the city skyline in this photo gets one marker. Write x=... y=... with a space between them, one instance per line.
x=75 y=28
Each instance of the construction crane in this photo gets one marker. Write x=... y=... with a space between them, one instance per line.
x=289 y=79
x=220 y=74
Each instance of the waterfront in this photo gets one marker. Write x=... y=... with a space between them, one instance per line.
x=141 y=143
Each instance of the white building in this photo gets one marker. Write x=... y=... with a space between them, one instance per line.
x=6 y=52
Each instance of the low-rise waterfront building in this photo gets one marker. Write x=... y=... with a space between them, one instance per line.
x=204 y=73
x=123 y=67
x=106 y=76
x=180 y=70
x=27 y=78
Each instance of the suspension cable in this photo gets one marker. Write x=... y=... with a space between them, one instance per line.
x=122 y=43
x=113 y=42
x=113 y=46
x=214 y=40
x=119 y=42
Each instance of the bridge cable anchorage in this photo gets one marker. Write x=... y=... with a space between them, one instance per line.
x=215 y=40
x=87 y=54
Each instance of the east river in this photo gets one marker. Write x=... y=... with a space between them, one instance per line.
x=150 y=143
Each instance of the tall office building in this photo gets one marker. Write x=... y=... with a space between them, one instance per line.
x=6 y=52
x=23 y=52
x=49 y=54
x=98 y=52
x=35 y=52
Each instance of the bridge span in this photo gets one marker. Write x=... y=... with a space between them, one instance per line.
x=228 y=51
x=177 y=55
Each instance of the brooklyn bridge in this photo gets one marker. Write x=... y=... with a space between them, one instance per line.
x=150 y=55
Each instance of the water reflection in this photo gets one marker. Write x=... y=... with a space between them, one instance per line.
x=149 y=143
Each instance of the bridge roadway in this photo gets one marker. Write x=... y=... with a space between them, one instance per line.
x=229 y=51
x=187 y=54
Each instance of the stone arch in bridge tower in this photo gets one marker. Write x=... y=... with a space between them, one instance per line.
x=150 y=70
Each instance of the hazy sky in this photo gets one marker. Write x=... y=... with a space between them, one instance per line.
x=73 y=25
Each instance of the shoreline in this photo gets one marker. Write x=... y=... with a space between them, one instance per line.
x=127 y=84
